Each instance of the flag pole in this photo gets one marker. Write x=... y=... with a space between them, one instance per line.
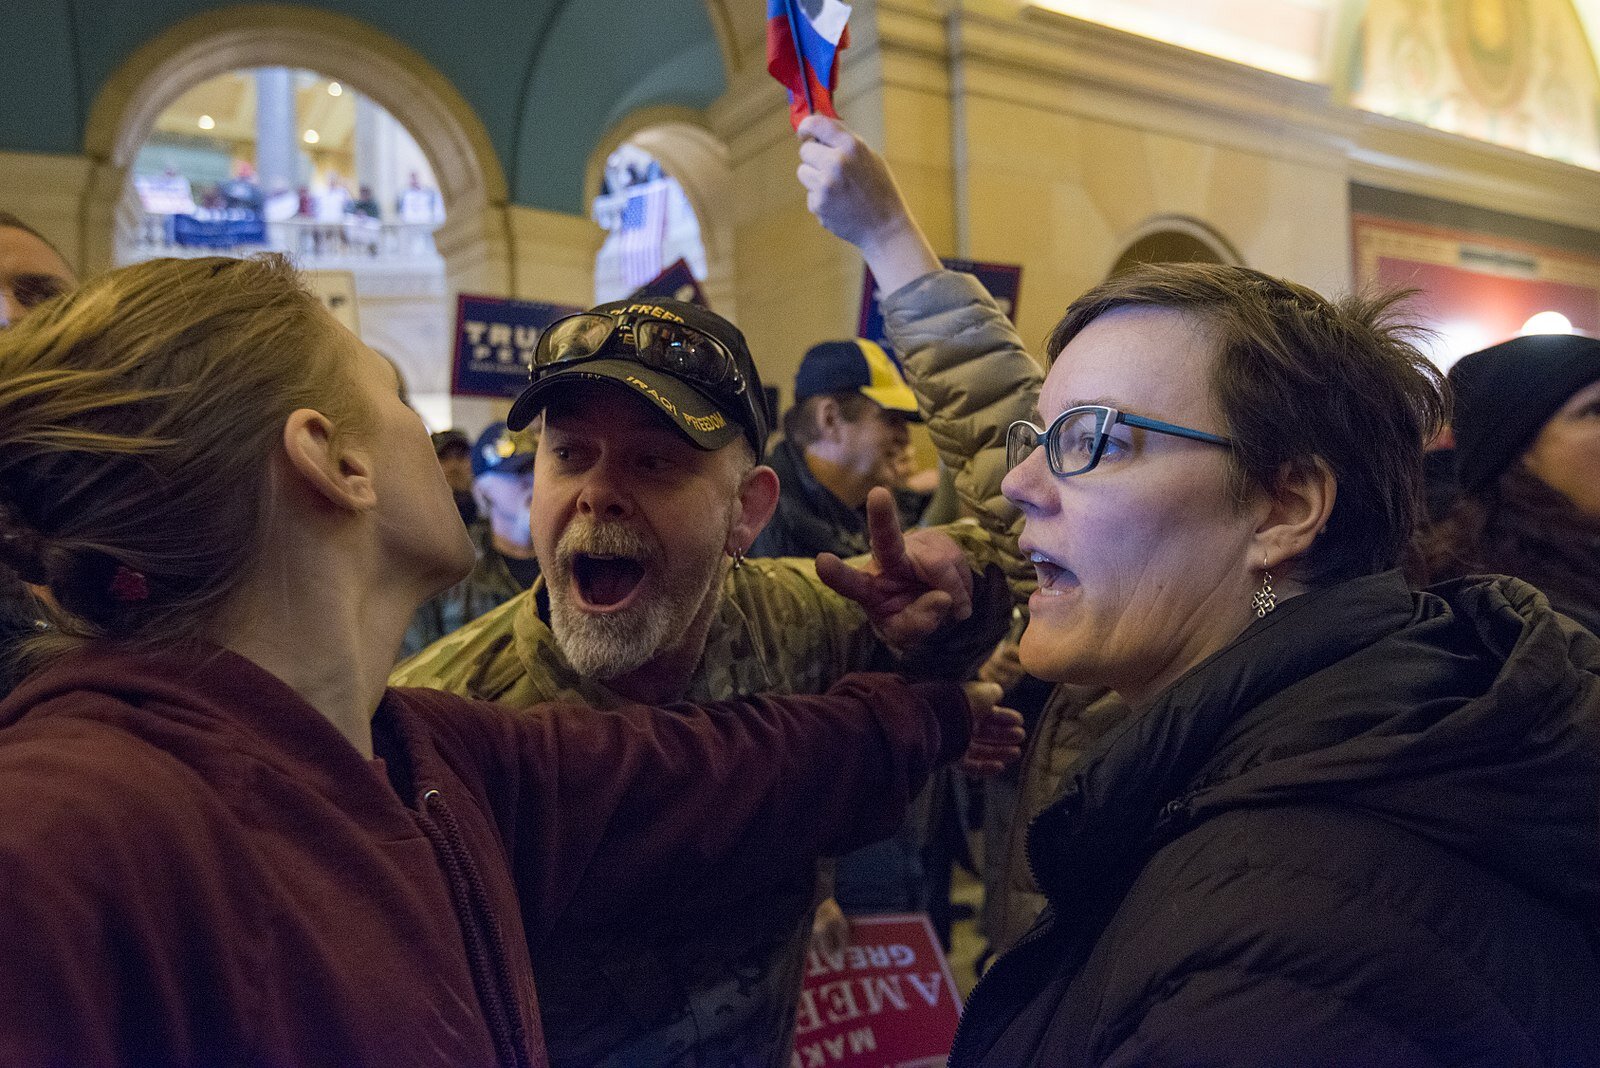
x=799 y=54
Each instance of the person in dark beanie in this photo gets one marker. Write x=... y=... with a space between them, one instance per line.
x=1527 y=433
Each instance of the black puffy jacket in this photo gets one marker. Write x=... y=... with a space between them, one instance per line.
x=1367 y=833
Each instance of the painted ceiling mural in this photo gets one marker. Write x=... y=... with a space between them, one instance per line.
x=1518 y=73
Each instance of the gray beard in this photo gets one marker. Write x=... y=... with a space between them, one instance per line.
x=612 y=645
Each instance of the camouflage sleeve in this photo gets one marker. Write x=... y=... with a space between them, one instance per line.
x=806 y=635
x=478 y=660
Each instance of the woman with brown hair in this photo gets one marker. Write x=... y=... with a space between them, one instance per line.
x=228 y=841
x=1527 y=446
x=1340 y=822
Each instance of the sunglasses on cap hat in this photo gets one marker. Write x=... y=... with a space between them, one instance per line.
x=678 y=349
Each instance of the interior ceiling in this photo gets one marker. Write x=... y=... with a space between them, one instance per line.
x=548 y=78
x=230 y=101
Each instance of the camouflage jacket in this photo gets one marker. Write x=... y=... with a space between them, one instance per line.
x=487 y=586
x=682 y=988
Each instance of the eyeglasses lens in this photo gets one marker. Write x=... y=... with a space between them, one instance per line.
x=1021 y=439
x=683 y=351
x=574 y=338
x=1075 y=440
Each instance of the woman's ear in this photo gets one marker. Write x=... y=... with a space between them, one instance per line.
x=329 y=465
x=758 y=499
x=1298 y=510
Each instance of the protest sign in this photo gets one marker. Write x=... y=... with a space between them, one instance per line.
x=677 y=282
x=1002 y=280
x=886 y=1001
x=165 y=194
x=494 y=343
x=225 y=229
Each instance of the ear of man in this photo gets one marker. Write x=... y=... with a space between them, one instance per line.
x=757 y=501
x=829 y=418
x=1297 y=510
x=332 y=467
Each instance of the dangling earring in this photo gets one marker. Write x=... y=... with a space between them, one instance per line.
x=1264 y=600
x=738 y=559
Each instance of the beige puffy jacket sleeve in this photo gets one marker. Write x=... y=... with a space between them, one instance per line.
x=972 y=379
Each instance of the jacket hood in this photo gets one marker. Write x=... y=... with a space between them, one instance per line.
x=1468 y=714
x=220 y=713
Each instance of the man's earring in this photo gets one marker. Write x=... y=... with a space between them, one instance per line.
x=738 y=559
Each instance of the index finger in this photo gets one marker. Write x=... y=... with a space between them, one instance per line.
x=883 y=530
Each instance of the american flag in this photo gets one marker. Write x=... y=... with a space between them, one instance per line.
x=643 y=232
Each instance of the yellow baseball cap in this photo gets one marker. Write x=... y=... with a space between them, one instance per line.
x=860 y=365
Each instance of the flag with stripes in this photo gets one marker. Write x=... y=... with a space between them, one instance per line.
x=642 y=235
x=804 y=39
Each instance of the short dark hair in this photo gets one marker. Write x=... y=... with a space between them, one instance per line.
x=800 y=422
x=1299 y=380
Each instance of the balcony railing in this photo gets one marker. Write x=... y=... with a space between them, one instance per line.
x=355 y=241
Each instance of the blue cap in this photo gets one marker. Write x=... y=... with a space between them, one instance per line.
x=500 y=449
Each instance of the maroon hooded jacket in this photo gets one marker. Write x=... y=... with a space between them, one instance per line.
x=196 y=868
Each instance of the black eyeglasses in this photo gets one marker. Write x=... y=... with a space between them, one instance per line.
x=1076 y=439
x=676 y=348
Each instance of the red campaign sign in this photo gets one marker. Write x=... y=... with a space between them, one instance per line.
x=886 y=1001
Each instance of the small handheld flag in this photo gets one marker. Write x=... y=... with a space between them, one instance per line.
x=804 y=39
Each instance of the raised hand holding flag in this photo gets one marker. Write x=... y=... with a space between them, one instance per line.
x=804 y=39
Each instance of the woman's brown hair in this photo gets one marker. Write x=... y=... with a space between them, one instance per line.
x=1300 y=380
x=138 y=417
x=1519 y=525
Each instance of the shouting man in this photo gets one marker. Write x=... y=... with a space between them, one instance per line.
x=647 y=496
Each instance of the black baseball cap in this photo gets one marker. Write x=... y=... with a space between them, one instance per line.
x=708 y=416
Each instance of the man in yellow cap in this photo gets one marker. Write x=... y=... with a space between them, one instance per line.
x=845 y=434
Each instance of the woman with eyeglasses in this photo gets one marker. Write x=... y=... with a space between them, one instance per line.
x=1342 y=822
x=1527 y=447
x=225 y=840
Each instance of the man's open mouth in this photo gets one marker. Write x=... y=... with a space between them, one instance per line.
x=606 y=582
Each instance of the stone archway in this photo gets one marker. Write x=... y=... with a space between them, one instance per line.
x=687 y=149
x=1173 y=239
x=471 y=179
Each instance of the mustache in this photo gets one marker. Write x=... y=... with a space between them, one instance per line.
x=597 y=538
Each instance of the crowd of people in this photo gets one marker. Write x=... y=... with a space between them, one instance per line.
x=234 y=213
x=1308 y=777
